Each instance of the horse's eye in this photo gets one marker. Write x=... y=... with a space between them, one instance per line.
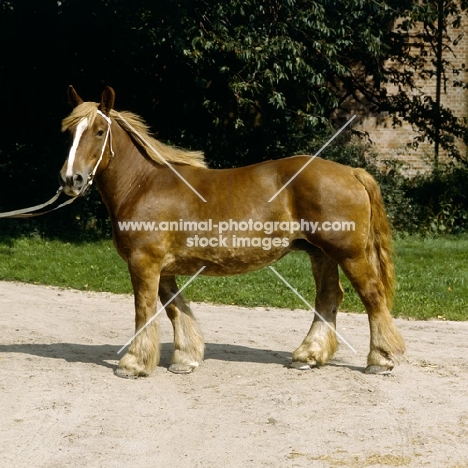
x=100 y=133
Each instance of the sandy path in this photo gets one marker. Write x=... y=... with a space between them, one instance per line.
x=61 y=405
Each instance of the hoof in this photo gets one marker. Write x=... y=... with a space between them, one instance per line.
x=302 y=366
x=125 y=374
x=181 y=368
x=378 y=370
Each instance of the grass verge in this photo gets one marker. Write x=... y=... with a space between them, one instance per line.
x=432 y=276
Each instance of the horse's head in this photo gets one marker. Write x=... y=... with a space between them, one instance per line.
x=89 y=125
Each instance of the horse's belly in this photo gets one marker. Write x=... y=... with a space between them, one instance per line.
x=219 y=262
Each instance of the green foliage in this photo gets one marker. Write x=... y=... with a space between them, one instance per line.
x=243 y=80
x=442 y=201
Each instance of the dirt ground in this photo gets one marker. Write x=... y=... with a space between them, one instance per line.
x=62 y=406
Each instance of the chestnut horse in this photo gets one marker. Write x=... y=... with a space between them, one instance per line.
x=230 y=221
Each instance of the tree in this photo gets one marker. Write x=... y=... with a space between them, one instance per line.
x=271 y=74
x=244 y=80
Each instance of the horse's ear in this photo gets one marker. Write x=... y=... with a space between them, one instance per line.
x=73 y=97
x=107 y=100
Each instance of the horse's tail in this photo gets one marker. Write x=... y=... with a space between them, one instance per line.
x=379 y=248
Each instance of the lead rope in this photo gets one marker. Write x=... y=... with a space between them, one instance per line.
x=26 y=212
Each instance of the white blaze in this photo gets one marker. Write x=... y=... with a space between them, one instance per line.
x=80 y=128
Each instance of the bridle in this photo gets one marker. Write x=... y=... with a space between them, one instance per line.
x=108 y=136
x=27 y=212
x=91 y=175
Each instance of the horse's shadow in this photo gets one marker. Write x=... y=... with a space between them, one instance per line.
x=106 y=355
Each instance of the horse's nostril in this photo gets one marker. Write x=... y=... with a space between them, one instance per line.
x=77 y=179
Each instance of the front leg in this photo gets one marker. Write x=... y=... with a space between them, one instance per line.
x=143 y=354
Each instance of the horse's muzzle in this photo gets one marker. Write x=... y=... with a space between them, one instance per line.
x=73 y=185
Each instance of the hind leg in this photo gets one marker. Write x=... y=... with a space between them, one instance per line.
x=320 y=344
x=189 y=345
x=386 y=343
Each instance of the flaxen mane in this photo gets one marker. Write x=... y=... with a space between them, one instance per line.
x=139 y=131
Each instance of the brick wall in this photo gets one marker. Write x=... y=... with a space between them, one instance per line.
x=391 y=142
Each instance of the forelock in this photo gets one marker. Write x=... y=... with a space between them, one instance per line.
x=84 y=110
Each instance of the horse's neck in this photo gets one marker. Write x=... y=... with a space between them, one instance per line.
x=127 y=168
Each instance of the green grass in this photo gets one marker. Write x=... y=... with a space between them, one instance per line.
x=88 y=265
x=432 y=276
